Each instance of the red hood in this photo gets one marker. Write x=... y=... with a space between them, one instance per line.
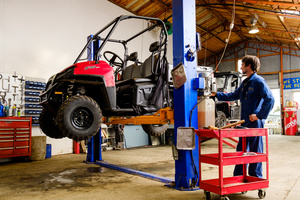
x=100 y=69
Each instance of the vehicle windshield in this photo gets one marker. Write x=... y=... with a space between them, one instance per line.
x=220 y=81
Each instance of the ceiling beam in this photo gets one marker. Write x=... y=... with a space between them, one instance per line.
x=264 y=25
x=203 y=29
x=276 y=38
x=124 y=7
x=272 y=13
x=288 y=28
x=215 y=13
x=208 y=31
x=236 y=18
x=209 y=51
x=284 y=4
x=274 y=30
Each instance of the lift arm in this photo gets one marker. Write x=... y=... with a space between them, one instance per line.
x=163 y=116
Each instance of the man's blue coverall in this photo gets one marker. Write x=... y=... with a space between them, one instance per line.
x=256 y=98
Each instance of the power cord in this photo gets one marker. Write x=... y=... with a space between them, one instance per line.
x=228 y=38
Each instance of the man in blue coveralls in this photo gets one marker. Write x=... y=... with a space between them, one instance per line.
x=256 y=103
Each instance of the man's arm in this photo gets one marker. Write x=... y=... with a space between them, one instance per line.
x=229 y=96
x=268 y=102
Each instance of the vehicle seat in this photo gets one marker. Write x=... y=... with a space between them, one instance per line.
x=149 y=67
x=144 y=72
x=132 y=70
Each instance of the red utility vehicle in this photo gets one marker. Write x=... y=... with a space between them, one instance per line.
x=76 y=98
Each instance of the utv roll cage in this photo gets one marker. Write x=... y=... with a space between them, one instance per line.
x=113 y=24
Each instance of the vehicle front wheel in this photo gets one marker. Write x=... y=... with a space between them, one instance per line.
x=79 y=117
x=155 y=129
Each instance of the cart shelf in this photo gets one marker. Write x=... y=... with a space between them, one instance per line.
x=234 y=184
x=235 y=158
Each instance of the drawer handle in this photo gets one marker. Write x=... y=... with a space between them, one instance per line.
x=22 y=129
x=6 y=148
x=14 y=120
x=6 y=129
x=18 y=140
x=22 y=136
x=6 y=136
x=6 y=140
x=3 y=133
x=22 y=132
x=23 y=147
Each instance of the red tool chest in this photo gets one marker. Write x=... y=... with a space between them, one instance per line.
x=228 y=185
x=15 y=136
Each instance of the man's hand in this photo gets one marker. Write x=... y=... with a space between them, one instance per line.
x=213 y=94
x=253 y=117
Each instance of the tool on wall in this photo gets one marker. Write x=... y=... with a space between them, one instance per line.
x=15 y=96
x=9 y=102
x=15 y=76
x=15 y=88
x=8 y=83
x=3 y=95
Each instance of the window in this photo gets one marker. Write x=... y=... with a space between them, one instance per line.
x=296 y=97
x=239 y=65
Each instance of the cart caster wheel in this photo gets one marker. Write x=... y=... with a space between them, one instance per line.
x=261 y=194
x=207 y=195
x=244 y=192
x=225 y=198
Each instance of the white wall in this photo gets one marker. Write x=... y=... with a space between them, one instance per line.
x=39 y=38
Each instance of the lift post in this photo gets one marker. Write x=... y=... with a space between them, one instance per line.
x=185 y=97
x=94 y=144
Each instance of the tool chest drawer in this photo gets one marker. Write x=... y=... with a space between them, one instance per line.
x=15 y=136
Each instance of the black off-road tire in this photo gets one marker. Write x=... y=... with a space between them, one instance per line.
x=48 y=125
x=155 y=129
x=79 y=117
x=221 y=119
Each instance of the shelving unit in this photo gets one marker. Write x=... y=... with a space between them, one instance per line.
x=32 y=92
x=229 y=185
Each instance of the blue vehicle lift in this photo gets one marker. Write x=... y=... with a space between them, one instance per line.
x=185 y=98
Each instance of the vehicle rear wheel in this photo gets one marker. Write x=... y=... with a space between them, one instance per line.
x=48 y=126
x=79 y=117
x=221 y=119
x=155 y=129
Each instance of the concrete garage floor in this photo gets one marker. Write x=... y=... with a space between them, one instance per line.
x=67 y=177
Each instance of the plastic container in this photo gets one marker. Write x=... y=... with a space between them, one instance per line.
x=14 y=111
x=48 y=151
x=206 y=113
x=2 y=113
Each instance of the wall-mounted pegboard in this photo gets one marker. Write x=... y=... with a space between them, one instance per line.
x=20 y=95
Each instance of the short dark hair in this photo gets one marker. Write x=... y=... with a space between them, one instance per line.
x=253 y=61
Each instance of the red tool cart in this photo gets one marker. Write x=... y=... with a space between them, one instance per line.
x=15 y=136
x=228 y=185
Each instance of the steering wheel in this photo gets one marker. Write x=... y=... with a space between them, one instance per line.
x=113 y=59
